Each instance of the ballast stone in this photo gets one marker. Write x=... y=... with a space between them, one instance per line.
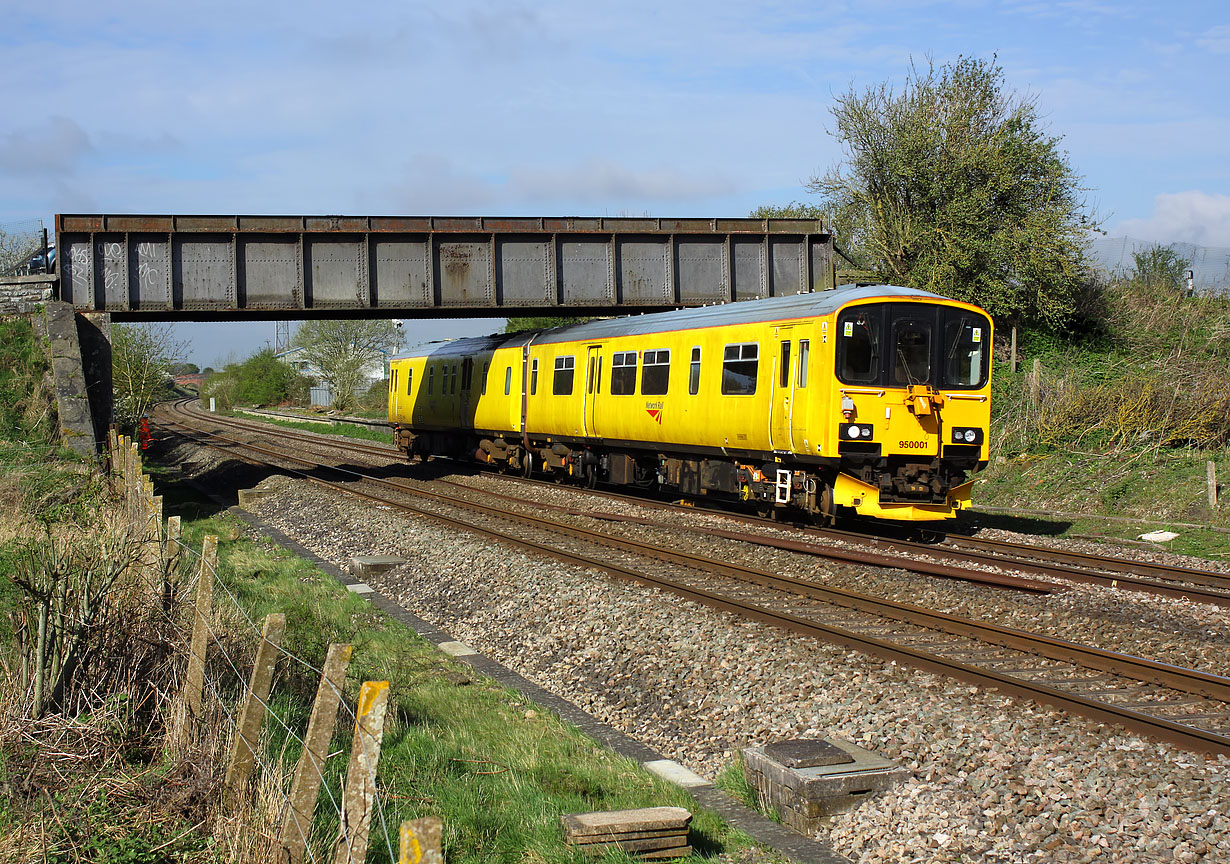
x=809 y=780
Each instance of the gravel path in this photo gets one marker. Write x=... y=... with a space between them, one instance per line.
x=993 y=779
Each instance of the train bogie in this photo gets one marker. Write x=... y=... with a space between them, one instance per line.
x=871 y=398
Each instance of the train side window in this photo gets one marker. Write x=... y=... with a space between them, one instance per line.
x=507 y=380
x=466 y=364
x=694 y=372
x=393 y=382
x=740 y=364
x=784 y=380
x=623 y=373
x=655 y=372
x=453 y=391
x=431 y=380
x=409 y=380
x=562 y=384
x=858 y=345
x=966 y=349
x=800 y=379
x=534 y=377
x=484 y=390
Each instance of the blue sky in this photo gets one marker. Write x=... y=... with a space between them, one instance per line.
x=551 y=108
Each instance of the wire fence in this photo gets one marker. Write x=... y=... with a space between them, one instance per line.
x=1210 y=265
x=184 y=572
x=19 y=241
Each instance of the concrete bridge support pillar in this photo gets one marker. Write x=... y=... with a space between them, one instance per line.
x=81 y=363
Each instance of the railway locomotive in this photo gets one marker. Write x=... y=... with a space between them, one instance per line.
x=866 y=398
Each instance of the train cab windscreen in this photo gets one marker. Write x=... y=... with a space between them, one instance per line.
x=899 y=344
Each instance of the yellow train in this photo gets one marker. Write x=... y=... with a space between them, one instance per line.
x=867 y=397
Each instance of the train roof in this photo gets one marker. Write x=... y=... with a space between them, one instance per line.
x=814 y=304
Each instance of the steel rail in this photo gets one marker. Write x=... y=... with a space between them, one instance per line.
x=926 y=564
x=1192 y=681
x=1090 y=559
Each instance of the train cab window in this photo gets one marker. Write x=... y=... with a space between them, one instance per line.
x=467 y=372
x=484 y=385
x=655 y=373
x=534 y=377
x=393 y=382
x=507 y=380
x=409 y=380
x=800 y=378
x=784 y=374
x=858 y=345
x=912 y=349
x=739 y=367
x=966 y=348
x=562 y=384
x=623 y=373
x=431 y=380
x=694 y=372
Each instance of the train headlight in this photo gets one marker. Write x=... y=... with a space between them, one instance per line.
x=965 y=435
x=855 y=431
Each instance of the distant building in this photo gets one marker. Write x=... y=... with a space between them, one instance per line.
x=372 y=372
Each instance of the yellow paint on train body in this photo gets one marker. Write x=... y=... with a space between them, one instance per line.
x=861 y=387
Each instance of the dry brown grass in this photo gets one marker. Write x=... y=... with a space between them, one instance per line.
x=83 y=780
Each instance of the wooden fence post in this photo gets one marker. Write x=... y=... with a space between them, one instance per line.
x=1035 y=383
x=1013 y=355
x=112 y=452
x=420 y=841
x=297 y=822
x=170 y=561
x=247 y=733
x=1211 y=471
x=195 y=679
x=360 y=788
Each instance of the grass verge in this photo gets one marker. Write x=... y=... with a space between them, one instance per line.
x=497 y=769
x=350 y=430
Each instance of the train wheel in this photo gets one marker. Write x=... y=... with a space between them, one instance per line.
x=591 y=476
x=827 y=517
x=527 y=464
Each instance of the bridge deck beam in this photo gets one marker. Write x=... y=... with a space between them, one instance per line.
x=236 y=267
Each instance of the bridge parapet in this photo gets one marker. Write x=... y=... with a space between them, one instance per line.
x=237 y=267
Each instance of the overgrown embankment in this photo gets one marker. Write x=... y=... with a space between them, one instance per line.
x=1123 y=418
x=94 y=762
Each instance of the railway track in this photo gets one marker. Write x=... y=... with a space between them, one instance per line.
x=1043 y=569
x=1186 y=707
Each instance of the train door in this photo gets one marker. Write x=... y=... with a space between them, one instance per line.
x=593 y=384
x=788 y=407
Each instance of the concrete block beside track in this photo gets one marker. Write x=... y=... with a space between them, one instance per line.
x=809 y=780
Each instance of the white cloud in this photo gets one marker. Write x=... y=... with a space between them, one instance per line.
x=1216 y=40
x=54 y=147
x=1183 y=217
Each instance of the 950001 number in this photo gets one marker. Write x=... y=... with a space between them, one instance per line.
x=912 y=445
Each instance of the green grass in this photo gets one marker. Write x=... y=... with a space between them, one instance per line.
x=350 y=430
x=497 y=769
x=1157 y=488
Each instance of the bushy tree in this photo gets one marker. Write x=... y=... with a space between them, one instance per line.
x=141 y=359
x=263 y=379
x=341 y=349
x=530 y=322
x=1161 y=266
x=953 y=186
